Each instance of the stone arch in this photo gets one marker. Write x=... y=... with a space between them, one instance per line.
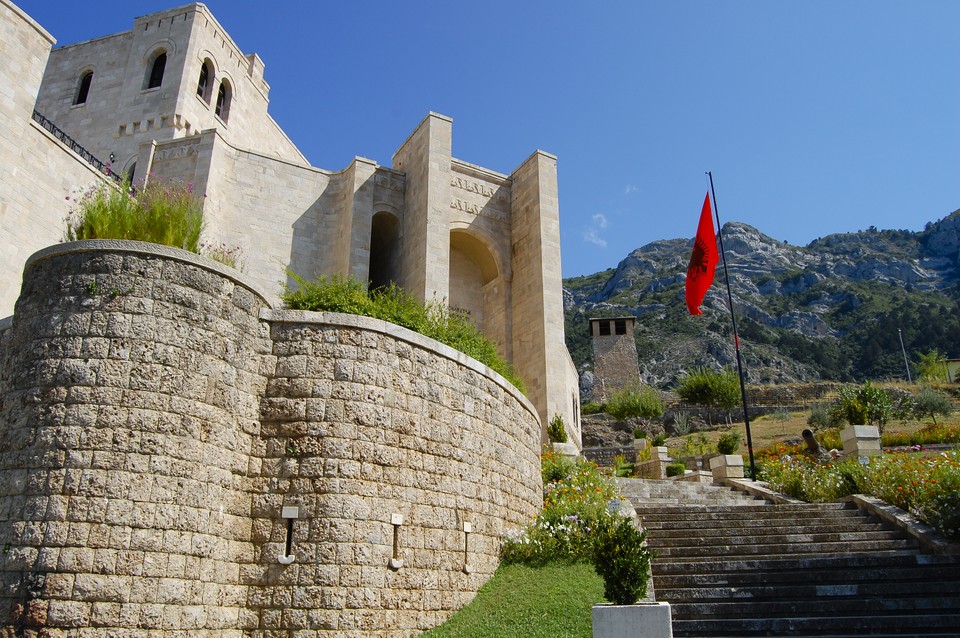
x=384 y=249
x=156 y=68
x=477 y=287
x=149 y=57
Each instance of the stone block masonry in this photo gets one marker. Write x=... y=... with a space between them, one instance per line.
x=158 y=419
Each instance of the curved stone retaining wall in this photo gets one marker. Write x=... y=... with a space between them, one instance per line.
x=158 y=421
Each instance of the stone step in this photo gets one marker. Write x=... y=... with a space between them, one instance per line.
x=788 y=540
x=868 y=625
x=832 y=526
x=780 y=563
x=824 y=607
x=728 y=551
x=822 y=576
x=812 y=594
x=819 y=509
x=751 y=526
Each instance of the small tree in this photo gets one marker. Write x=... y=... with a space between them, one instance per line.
x=932 y=367
x=930 y=402
x=711 y=389
x=556 y=431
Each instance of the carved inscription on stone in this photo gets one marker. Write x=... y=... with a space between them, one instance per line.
x=176 y=152
x=480 y=199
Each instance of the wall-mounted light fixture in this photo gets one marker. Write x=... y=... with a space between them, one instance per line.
x=112 y=157
x=395 y=561
x=289 y=513
x=467 y=528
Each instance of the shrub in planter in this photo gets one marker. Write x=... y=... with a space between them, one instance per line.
x=676 y=469
x=621 y=557
x=659 y=440
x=728 y=443
x=640 y=433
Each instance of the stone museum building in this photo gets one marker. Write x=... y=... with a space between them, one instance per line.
x=167 y=448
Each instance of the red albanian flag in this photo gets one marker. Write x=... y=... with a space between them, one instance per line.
x=703 y=261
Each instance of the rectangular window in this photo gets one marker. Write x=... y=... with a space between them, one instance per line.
x=621 y=326
x=604 y=328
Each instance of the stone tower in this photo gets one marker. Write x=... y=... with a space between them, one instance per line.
x=615 y=363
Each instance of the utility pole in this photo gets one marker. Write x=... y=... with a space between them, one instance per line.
x=904 y=350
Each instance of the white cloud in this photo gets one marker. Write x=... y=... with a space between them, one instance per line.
x=592 y=233
x=630 y=188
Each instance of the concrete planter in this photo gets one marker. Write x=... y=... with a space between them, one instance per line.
x=727 y=466
x=861 y=441
x=642 y=620
x=660 y=453
x=641 y=444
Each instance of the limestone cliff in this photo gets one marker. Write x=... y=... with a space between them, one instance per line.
x=831 y=309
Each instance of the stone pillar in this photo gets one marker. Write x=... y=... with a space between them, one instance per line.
x=538 y=331
x=425 y=158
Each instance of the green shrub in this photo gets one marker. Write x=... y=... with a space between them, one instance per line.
x=635 y=402
x=659 y=439
x=622 y=467
x=393 y=304
x=591 y=407
x=167 y=213
x=621 y=557
x=822 y=417
x=556 y=431
x=863 y=405
x=676 y=469
x=728 y=443
x=640 y=433
x=929 y=403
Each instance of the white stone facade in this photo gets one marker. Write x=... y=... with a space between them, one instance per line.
x=444 y=229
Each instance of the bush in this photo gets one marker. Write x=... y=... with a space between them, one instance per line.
x=863 y=405
x=591 y=407
x=556 y=431
x=932 y=367
x=659 y=439
x=575 y=499
x=393 y=304
x=822 y=417
x=621 y=557
x=676 y=469
x=640 y=433
x=167 y=213
x=929 y=403
x=728 y=443
x=635 y=402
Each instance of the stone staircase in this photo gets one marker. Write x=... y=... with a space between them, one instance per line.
x=731 y=565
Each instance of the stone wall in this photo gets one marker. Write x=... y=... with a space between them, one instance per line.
x=157 y=416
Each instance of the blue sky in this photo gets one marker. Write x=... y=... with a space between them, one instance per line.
x=815 y=117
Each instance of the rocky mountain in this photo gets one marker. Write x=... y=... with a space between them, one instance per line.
x=834 y=309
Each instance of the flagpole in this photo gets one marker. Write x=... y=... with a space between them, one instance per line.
x=736 y=337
